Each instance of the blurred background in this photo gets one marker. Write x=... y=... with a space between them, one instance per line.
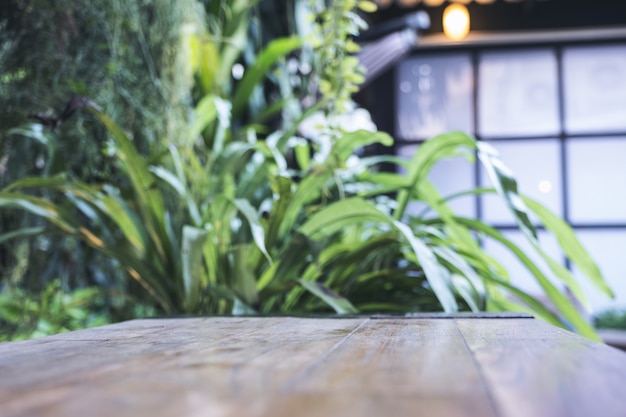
x=543 y=81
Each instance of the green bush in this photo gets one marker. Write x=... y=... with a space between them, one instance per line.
x=24 y=315
x=243 y=215
x=124 y=55
x=610 y=319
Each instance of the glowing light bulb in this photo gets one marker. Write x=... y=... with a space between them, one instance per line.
x=456 y=21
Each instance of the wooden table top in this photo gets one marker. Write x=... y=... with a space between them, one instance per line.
x=364 y=366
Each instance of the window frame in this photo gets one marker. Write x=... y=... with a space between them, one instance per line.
x=557 y=41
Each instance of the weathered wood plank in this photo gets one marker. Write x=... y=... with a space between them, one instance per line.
x=407 y=365
x=167 y=369
x=534 y=369
x=313 y=367
x=69 y=355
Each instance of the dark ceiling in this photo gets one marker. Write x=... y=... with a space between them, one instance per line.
x=524 y=15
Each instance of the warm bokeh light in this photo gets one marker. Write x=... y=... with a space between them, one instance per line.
x=545 y=186
x=456 y=21
x=435 y=3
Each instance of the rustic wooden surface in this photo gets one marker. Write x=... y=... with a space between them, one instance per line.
x=437 y=366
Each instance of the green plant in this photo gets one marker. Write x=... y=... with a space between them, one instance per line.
x=243 y=217
x=367 y=239
x=350 y=246
x=25 y=316
x=124 y=55
x=614 y=318
x=334 y=24
x=156 y=243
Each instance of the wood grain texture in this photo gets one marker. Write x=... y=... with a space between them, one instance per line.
x=157 y=367
x=534 y=369
x=311 y=367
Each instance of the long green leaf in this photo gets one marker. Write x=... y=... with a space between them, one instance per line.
x=506 y=187
x=258 y=233
x=560 y=301
x=204 y=114
x=129 y=225
x=535 y=307
x=178 y=182
x=427 y=155
x=344 y=213
x=275 y=50
x=307 y=191
x=39 y=207
x=340 y=304
x=145 y=274
x=563 y=274
x=54 y=182
x=235 y=31
x=438 y=277
x=570 y=244
x=465 y=289
x=23 y=232
x=351 y=141
x=460 y=236
x=289 y=264
x=191 y=253
x=476 y=293
x=244 y=278
x=343 y=261
x=339 y=215
x=149 y=197
x=282 y=194
x=169 y=178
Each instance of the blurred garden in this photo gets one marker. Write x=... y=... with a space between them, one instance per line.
x=205 y=157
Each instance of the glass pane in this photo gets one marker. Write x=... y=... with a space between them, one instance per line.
x=607 y=249
x=449 y=176
x=595 y=91
x=597 y=179
x=435 y=96
x=519 y=275
x=537 y=168
x=517 y=94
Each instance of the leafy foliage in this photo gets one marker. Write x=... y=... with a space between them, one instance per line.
x=285 y=262
x=24 y=316
x=610 y=319
x=124 y=55
x=331 y=35
x=241 y=214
